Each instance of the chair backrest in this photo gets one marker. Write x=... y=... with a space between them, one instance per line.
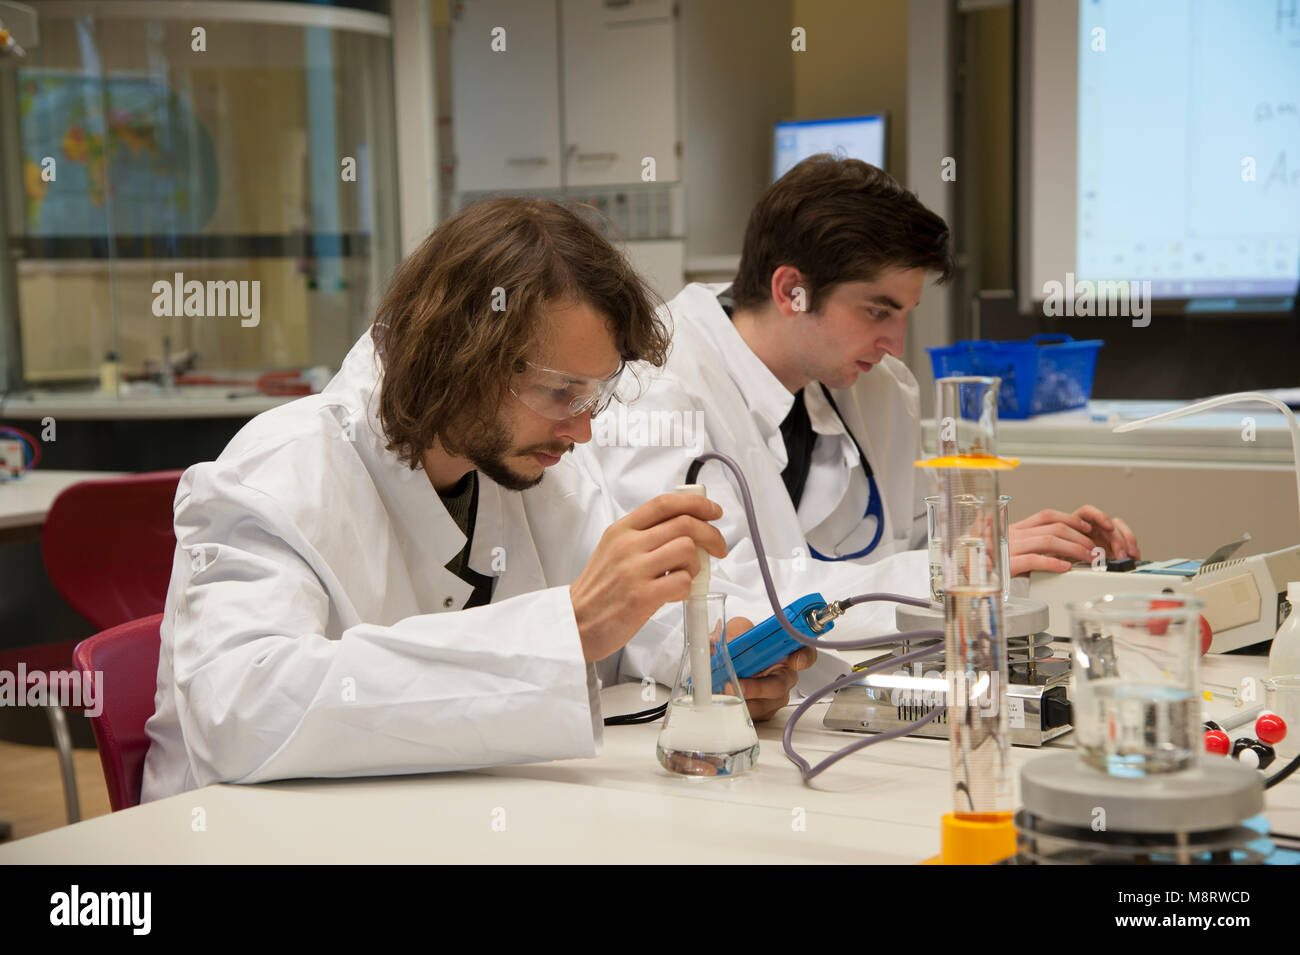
x=127 y=656
x=108 y=546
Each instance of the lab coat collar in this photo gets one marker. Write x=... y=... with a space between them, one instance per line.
x=408 y=492
x=767 y=399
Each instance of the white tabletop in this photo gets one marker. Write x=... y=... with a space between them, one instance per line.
x=25 y=502
x=1220 y=436
x=189 y=401
x=882 y=805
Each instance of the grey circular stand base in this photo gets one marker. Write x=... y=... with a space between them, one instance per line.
x=1074 y=813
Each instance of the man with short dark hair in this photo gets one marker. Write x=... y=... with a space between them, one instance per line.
x=793 y=370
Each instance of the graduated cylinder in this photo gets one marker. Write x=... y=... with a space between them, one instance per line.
x=972 y=561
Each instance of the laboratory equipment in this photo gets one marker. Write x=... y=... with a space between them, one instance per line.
x=1204 y=813
x=1038 y=705
x=1282 y=698
x=1072 y=813
x=1137 y=682
x=1284 y=656
x=706 y=733
x=966 y=508
x=1253 y=753
x=696 y=621
x=767 y=643
x=1242 y=595
x=1130 y=794
x=1271 y=727
x=820 y=618
x=756 y=649
x=979 y=829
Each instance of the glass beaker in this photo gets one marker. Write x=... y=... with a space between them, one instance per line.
x=966 y=508
x=1282 y=696
x=1136 y=682
x=707 y=730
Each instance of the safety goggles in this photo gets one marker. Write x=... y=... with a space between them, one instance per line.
x=558 y=394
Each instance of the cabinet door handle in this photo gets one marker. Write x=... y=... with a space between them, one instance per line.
x=596 y=157
x=527 y=161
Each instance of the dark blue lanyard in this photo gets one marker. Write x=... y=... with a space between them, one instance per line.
x=875 y=506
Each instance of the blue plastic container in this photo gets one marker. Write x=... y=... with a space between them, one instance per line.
x=1047 y=373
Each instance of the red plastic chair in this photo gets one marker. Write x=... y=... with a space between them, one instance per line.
x=127 y=656
x=108 y=546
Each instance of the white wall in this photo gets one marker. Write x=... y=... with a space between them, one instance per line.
x=416 y=116
x=929 y=125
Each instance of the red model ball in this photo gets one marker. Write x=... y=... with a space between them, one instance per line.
x=1158 y=625
x=1217 y=742
x=1270 y=727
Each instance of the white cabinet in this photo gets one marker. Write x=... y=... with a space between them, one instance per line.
x=582 y=92
x=620 y=103
x=506 y=101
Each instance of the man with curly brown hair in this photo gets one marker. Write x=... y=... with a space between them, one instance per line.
x=358 y=588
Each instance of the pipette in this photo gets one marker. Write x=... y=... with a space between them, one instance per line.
x=697 y=620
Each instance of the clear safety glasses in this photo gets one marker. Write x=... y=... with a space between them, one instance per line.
x=558 y=394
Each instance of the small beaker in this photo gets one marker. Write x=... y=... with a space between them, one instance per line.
x=1282 y=696
x=707 y=730
x=1136 y=682
x=966 y=510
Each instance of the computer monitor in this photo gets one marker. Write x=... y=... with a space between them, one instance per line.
x=849 y=137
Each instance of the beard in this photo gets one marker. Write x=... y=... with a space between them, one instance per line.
x=490 y=451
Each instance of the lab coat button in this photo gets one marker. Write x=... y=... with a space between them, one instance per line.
x=448 y=602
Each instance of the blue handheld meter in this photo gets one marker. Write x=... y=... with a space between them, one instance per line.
x=767 y=643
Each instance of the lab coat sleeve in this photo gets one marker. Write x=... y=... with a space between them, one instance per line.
x=633 y=473
x=262 y=693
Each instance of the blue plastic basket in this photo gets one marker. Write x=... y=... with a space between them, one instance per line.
x=1046 y=373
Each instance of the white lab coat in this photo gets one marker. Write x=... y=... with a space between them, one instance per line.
x=719 y=396
x=311 y=628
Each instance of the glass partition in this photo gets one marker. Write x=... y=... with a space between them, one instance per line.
x=204 y=193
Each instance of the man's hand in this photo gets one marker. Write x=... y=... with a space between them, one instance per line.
x=642 y=562
x=1054 y=540
x=768 y=691
x=1110 y=533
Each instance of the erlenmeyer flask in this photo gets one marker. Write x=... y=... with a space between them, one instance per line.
x=707 y=730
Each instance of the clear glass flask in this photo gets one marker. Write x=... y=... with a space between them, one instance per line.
x=1137 y=682
x=707 y=730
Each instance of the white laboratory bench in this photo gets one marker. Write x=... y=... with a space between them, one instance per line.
x=25 y=502
x=882 y=805
x=189 y=401
x=1185 y=486
x=1209 y=438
